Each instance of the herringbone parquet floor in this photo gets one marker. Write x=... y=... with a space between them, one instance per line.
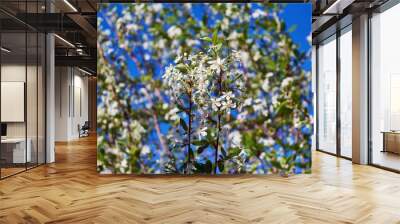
x=70 y=191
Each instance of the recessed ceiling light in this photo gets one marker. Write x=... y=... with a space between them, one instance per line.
x=70 y=5
x=5 y=50
x=65 y=41
x=84 y=71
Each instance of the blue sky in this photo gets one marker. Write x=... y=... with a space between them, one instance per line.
x=299 y=15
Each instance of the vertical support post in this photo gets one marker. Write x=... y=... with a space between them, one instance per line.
x=50 y=93
x=338 y=76
x=314 y=89
x=360 y=90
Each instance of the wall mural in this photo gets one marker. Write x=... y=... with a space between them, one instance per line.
x=204 y=89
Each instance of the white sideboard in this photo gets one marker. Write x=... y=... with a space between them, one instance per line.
x=18 y=148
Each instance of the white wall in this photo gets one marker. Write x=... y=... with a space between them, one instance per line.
x=71 y=102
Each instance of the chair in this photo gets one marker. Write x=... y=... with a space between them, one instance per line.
x=84 y=130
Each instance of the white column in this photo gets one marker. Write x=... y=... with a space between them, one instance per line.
x=314 y=90
x=360 y=90
x=50 y=101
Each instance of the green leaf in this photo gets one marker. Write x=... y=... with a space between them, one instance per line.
x=206 y=39
x=201 y=149
x=171 y=19
x=284 y=109
x=218 y=46
x=181 y=67
x=221 y=165
x=183 y=124
x=191 y=154
x=180 y=107
x=200 y=168
x=200 y=142
x=208 y=167
x=215 y=37
x=292 y=28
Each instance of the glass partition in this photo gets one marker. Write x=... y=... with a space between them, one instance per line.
x=327 y=95
x=41 y=85
x=32 y=97
x=14 y=153
x=22 y=89
x=385 y=89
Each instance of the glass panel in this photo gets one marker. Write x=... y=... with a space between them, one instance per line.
x=23 y=87
x=327 y=96
x=346 y=94
x=31 y=97
x=14 y=153
x=32 y=85
x=41 y=99
x=385 y=84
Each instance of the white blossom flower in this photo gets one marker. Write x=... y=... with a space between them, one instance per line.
x=233 y=35
x=145 y=150
x=286 y=82
x=156 y=7
x=224 y=102
x=258 y=13
x=266 y=141
x=242 y=116
x=161 y=44
x=309 y=39
x=124 y=164
x=235 y=138
x=217 y=64
x=132 y=27
x=256 y=56
x=265 y=85
x=172 y=115
x=245 y=57
x=136 y=130
x=248 y=102
x=203 y=132
x=225 y=23
x=174 y=31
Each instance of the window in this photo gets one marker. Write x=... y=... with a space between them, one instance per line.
x=346 y=92
x=327 y=96
x=385 y=88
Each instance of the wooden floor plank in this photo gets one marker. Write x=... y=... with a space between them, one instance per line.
x=71 y=191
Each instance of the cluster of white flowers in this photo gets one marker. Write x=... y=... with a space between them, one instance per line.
x=189 y=76
x=217 y=65
x=258 y=13
x=235 y=138
x=174 y=31
x=266 y=141
x=145 y=150
x=203 y=132
x=286 y=82
x=224 y=102
x=136 y=130
x=172 y=115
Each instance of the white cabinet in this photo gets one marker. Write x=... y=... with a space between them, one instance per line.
x=19 y=155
